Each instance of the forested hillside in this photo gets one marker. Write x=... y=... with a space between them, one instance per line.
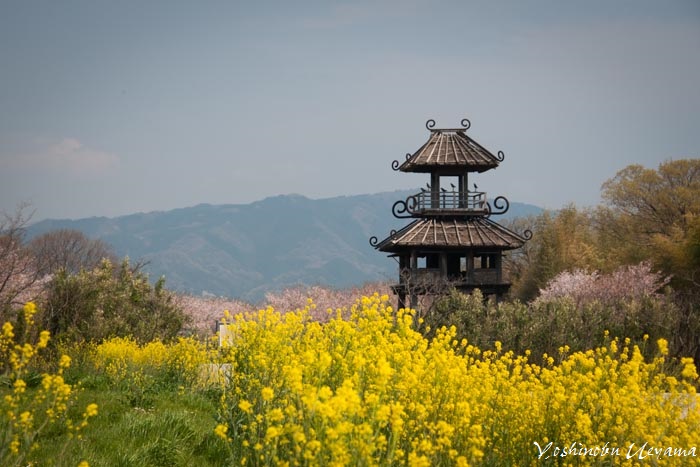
x=243 y=251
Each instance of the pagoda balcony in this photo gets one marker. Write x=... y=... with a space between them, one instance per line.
x=449 y=203
x=403 y=289
x=434 y=277
x=427 y=202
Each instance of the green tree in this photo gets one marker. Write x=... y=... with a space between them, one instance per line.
x=561 y=241
x=653 y=214
x=104 y=302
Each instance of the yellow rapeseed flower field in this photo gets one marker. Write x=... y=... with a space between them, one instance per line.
x=371 y=390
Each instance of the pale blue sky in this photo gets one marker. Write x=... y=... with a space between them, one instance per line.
x=110 y=108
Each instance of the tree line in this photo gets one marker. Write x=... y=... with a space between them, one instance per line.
x=630 y=266
x=84 y=292
x=646 y=215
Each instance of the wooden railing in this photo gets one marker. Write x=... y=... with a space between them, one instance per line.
x=447 y=200
x=434 y=276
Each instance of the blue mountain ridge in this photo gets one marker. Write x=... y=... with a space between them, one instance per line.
x=245 y=250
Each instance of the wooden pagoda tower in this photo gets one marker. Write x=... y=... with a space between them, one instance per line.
x=452 y=240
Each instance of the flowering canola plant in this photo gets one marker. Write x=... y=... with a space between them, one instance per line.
x=25 y=413
x=123 y=359
x=371 y=390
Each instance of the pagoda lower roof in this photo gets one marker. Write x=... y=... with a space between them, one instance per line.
x=475 y=232
x=451 y=151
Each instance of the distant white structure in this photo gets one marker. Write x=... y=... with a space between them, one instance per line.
x=224 y=332
x=217 y=373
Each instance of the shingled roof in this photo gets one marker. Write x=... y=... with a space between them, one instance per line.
x=453 y=150
x=468 y=232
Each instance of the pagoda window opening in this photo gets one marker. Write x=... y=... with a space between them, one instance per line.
x=485 y=261
x=432 y=260
x=426 y=269
x=487 y=268
x=428 y=261
x=455 y=266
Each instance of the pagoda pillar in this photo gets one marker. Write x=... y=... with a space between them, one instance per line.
x=463 y=188
x=434 y=190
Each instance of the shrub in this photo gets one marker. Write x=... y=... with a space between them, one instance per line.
x=626 y=283
x=576 y=309
x=108 y=301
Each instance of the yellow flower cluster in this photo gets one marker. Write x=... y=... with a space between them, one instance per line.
x=122 y=358
x=370 y=390
x=25 y=414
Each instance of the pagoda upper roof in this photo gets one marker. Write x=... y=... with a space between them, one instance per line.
x=476 y=232
x=451 y=151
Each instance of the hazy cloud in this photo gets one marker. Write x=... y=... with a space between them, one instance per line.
x=233 y=103
x=67 y=156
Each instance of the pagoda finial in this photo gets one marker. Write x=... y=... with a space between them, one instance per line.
x=466 y=124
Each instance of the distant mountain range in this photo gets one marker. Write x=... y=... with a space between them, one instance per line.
x=244 y=250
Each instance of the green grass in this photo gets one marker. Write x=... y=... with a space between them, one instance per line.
x=161 y=428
